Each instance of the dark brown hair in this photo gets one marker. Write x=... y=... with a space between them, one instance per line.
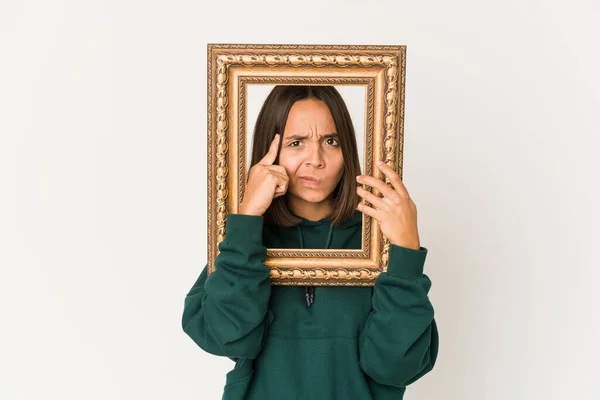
x=272 y=119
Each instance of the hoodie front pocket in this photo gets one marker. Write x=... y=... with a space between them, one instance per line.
x=238 y=380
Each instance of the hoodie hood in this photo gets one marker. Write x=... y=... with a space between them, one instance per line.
x=315 y=234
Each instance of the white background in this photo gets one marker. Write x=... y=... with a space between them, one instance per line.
x=103 y=188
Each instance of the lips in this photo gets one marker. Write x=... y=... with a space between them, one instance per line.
x=309 y=179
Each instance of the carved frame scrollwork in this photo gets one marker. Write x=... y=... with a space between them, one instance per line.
x=231 y=68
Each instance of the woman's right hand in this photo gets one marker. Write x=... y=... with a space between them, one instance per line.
x=265 y=182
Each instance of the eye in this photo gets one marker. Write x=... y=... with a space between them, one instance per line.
x=335 y=142
x=292 y=143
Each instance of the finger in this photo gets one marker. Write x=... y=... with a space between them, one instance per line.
x=276 y=168
x=279 y=177
x=271 y=155
x=368 y=211
x=280 y=192
x=280 y=189
x=281 y=181
x=393 y=177
x=378 y=184
x=376 y=201
x=265 y=170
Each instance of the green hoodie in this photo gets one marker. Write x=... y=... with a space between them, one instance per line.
x=365 y=343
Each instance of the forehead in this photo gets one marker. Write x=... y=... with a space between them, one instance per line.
x=309 y=114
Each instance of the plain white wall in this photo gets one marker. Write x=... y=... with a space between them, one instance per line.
x=103 y=188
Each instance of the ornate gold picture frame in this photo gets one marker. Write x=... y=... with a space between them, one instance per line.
x=232 y=68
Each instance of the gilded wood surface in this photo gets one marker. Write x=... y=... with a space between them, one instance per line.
x=390 y=59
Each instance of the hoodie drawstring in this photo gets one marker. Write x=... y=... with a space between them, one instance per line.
x=309 y=291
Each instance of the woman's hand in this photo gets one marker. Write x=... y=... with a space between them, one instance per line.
x=265 y=182
x=395 y=210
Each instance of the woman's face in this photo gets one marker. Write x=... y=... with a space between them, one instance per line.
x=311 y=153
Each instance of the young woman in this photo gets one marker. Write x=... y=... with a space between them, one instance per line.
x=331 y=343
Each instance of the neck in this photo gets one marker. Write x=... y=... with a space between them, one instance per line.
x=310 y=211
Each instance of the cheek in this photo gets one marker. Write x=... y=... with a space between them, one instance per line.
x=339 y=164
x=290 y=165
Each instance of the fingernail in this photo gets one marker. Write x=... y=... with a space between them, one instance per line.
x=358 y=178
x=379 y=162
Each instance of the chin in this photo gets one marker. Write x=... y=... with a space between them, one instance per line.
x=311 y=197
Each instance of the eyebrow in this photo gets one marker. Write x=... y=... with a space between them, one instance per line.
x=300 y=137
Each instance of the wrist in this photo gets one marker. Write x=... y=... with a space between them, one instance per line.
x=248 y=211
x=407 y=242
x=408 y=246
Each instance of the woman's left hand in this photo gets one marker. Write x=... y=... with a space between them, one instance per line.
x=395 y=211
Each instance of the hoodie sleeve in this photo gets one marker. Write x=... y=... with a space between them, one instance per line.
x=227 y=313
x=399 y=342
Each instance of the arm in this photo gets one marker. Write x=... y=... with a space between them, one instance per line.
x=399 y=342
x=227 y=312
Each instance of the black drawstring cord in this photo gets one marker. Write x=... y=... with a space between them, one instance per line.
x=309 y=291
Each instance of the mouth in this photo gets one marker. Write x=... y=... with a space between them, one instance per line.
x=309 y=181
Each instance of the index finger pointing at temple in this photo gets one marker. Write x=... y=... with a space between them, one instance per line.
x=271 y=155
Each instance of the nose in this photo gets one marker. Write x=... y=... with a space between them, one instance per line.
x=314 y=156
